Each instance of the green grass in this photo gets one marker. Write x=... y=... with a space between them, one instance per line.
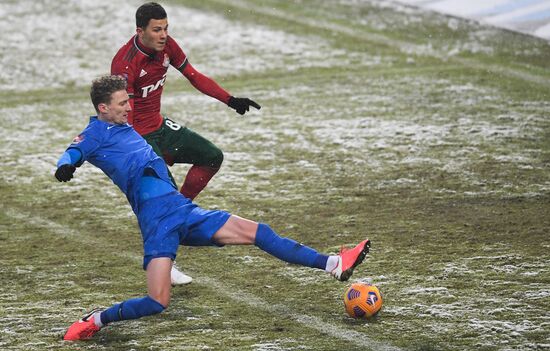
x=442 y=160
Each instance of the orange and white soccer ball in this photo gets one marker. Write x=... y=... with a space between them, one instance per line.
x=362 y=300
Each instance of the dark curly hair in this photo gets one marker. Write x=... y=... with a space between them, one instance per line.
x=103 y=87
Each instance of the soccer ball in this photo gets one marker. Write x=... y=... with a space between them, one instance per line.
x=362 y=300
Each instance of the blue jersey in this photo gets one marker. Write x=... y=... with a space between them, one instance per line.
x=121 y=153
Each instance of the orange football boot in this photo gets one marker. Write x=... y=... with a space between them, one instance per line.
x=348 y=259
x=82 y=329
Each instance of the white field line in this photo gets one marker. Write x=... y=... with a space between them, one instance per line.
x=313 y=322
x=239 y=296
x=381 y=39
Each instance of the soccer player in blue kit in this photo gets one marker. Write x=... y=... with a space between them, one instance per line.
x=166 y=218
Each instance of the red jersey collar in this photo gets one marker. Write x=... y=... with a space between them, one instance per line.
x=145 y=50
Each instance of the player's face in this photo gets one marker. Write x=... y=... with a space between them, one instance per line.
x=154 y=36
x=117 y=110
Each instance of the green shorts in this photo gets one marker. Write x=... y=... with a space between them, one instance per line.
x=178 y=144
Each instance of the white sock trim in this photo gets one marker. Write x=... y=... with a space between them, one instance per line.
x=332 y=263
x=97 y=319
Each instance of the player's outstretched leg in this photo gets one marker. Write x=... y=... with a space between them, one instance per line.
x=241 y=231
x=158 y=298
x=348 y=259
x=178 y=277
x=84 y=328
x=288 y=250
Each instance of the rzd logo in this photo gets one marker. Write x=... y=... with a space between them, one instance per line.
x=150 y=88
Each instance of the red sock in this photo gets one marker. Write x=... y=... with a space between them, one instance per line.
x=196 y=180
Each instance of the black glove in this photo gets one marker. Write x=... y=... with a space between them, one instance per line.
x=241 y=105
x=65 y=172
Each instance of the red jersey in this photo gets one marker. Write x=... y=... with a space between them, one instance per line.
x=145 y=71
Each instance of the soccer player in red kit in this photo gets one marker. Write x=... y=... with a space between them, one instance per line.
x=144 y=62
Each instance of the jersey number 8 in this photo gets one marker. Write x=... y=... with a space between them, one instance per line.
x=172 y=125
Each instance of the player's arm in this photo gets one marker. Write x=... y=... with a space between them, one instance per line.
x=209 y=87
x=67 y=164
x=80 y=150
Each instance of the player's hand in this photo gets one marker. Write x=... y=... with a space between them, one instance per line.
x=65 y=173
x=242 y=105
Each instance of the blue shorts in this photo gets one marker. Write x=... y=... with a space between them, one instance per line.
x=170 y=220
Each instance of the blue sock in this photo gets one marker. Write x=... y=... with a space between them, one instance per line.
x=288 y=250
x=131 y=309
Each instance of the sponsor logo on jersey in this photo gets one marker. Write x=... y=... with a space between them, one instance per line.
x=166 y=61
x=142 y=73
x=150 y=88
x=77 y=139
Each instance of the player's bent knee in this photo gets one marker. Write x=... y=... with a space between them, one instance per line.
x=157 y=306
x=164 y=301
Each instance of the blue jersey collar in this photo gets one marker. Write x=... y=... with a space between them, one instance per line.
x=96 y=118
